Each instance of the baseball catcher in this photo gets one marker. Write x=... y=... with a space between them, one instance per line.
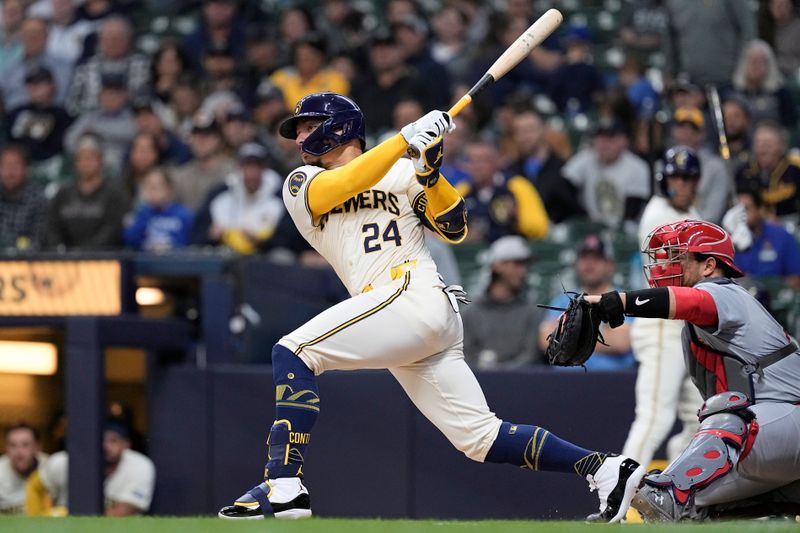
x=745 y=457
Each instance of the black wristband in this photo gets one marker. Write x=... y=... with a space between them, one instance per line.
x=611 y=310
x=648 y=303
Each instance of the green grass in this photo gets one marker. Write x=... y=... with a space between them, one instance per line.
x=213 y=525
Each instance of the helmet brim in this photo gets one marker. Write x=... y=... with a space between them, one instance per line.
x=288 y=128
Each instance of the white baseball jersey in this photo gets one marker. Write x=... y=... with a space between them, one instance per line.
x=12 y=487
x=399 y=317
x=132 y=482
x=369 y=234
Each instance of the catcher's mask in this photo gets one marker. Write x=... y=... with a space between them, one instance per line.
x=668 y=244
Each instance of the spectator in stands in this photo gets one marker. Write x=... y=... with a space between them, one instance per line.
x=39 y=125
x=238 y=129
x=143 y=157
x=33 y=37
x=498 y=206
x=405 y=112
x=248 y=212
x=785 y=36
x=594 y=270
x=703 y=39
x=638 y=89
x=387 y=82
x=344 y=26
x=219 y=65
x=613 y=184
x=209 y=166
x=774 y=251
x=129 y=475
x=399 y=9
x=170 y=65
x=173 y=150
x=263 y=53
x=772 y=171
x=500 y=325
x=159 y=223
x=13 y=13
x=23 y=208
x=411 y=33
x=295 y=23
x=737 y=120
x=220 y=28
x=67 y=32
x=269 y=104
x=114 y=56
x=575 y=85
x=185 y=103
x=449 y=46
x=87 y=214
x=538 y=163
x=643 y=25
x=716 y=184
x=18 y=466
x=308 y=72
x=758 y=79
x=113 y=121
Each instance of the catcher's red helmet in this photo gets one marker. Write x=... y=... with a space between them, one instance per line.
x=667 y=244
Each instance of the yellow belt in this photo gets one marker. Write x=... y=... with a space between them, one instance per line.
x=396 y=272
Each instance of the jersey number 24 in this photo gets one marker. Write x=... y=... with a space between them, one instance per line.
x=373 y=233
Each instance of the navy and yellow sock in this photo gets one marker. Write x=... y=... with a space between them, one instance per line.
x=296 y=408
x=536 y=448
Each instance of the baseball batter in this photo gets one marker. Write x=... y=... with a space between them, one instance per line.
x=364 y=212
x=746 y=368
x=663 y=388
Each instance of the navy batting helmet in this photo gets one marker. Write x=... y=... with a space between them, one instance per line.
x=678 y=161
x=343 y=122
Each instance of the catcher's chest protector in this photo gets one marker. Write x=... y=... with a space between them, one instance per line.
x=736 y=357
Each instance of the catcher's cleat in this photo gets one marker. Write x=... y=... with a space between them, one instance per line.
x=285 y=498
x=656 y=504
x=616 y=481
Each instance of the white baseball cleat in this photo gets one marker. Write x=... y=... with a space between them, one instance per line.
x=285 y=497
x=616 y=482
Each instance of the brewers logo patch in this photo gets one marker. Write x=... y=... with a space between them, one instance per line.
x=296 y=181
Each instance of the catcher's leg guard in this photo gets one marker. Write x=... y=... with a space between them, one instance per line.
x=725 y=436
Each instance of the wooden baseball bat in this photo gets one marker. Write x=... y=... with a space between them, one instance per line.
x=713 y=96
x=510 y=58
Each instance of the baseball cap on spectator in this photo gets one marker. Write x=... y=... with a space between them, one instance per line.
x=315 y=41
x=509 y=248
x=143 y=105
x=691 y=116
x=608 y=127
x=118 y=427
x=412 y=22
x=237 y=114
x=253 y=153
x=740 y=100
x=683 y=83
x=219 y=51
x=38 y=73
x=205 y=123
x=578 y=34
x=383 y=38
x=114 y=80
x=268 y=91
x=593 y=244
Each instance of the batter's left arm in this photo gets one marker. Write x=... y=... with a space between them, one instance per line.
x=440 y=207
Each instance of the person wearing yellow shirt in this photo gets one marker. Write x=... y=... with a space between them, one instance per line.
x=498 y=205
x=308 y=74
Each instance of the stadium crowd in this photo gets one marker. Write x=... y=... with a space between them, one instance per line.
x=153 y=125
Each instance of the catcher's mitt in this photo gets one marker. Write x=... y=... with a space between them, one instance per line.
x=577 y=333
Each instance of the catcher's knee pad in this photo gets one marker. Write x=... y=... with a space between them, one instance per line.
x=725 y=435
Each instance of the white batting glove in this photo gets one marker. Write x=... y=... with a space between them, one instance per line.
x=435 y=123
x=430 y=158
x=735 y=223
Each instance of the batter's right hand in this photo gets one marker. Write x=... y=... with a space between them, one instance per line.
x=435 y=123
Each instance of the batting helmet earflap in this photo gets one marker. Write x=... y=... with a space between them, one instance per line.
x=666 y=245
x=681 y=161
x=343 y=122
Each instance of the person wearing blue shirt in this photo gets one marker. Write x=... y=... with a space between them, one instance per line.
x=594 y=269
x=159 y=223
x=774 y=251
